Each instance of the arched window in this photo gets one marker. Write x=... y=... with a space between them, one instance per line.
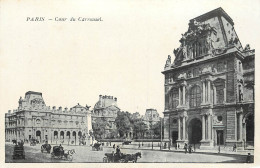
x=195 y=96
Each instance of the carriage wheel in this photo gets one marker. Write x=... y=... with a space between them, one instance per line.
x=69 y=157
x=105 y=160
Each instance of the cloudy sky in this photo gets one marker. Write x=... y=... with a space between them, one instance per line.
x=123 y=56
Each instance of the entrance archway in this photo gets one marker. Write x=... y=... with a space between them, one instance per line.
x=55 y=134
x=61 y=135
x=38 y=135
x=250 y=128
x=195 y=131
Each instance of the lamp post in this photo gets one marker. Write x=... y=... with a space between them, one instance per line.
x=169 y=146
x=161 y=135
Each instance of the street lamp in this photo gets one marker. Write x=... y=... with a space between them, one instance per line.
x=169 y=146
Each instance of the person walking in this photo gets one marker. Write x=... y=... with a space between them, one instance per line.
x=190 y=148
x=234 y=147
x=185 y=148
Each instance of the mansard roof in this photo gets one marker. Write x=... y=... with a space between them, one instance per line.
x=32 y=92
x=216 y=12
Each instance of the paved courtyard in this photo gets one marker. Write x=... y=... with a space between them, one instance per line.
x=85 y=154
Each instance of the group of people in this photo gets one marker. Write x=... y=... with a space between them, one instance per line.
x=187 y=148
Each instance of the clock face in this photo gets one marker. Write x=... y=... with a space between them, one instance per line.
x=37 y=101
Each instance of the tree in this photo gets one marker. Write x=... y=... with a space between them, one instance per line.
x=99 y=127
x=122 y=122
x=156 y=127
x=140 y=128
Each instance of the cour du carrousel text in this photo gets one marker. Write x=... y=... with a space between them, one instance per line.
x=63 y=19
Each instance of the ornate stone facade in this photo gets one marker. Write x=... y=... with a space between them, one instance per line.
x=106 y=109
x=33 y=119
x=209 y=87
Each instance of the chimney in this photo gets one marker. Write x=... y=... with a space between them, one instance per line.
x=66 y=109
x=100 y=97
x=115 y=99
x=60 y=108
x=9 y=111
x=54 y=107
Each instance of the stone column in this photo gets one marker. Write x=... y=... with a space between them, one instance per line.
x=179 y=128
x=240 y=126
x=209 y=127
x=179 y=96
x=183 y=93
x=215 y=95
x=204 y=93
x=209 y=92
x=225 y=95
x=203 y=127
x=183 y=127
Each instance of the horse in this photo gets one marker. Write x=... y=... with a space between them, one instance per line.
x=132 y=157
x=46 y=147
x=68 y=154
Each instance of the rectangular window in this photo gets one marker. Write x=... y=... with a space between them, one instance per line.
x=195 y=72
x=220 y=94
x=220 y=67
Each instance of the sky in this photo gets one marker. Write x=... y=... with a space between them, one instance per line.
x=122 y=56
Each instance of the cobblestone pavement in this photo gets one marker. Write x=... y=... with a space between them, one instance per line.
x=85 y=154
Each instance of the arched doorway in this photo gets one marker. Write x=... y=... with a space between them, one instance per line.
x=61 y=135
x=55 y=134
x=250 y=128
x=38 y=135
x=195 y=131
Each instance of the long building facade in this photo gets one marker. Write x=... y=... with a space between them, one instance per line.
x=209 y=87
x=34 y=120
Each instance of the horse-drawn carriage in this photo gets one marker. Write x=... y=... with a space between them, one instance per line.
x=19 y=151
x=97 y=147
x=60 y=153
x=121 y=158
x=46 y=147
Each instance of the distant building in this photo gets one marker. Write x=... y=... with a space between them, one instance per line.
x=151 y=117
x=209 y=87
x=33 y=119
x=106 y=109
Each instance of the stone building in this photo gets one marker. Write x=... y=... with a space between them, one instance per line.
x=33 y=119
x=151 y=117
x=106 y=109
x=209 y=87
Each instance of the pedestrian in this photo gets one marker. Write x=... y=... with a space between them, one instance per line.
x=219 y=149
x=249 y=158
x=114 y=146
x=176 y=146
x=185 y=148
x=234 y=147
x=190 y=148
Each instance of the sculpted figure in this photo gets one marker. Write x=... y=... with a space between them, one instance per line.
x=168 y=62
x=247 y=47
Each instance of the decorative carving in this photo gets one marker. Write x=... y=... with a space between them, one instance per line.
x=182 y=75
x=207 y=69
x=168 y=62
x=233 y=41
x=247 y=47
